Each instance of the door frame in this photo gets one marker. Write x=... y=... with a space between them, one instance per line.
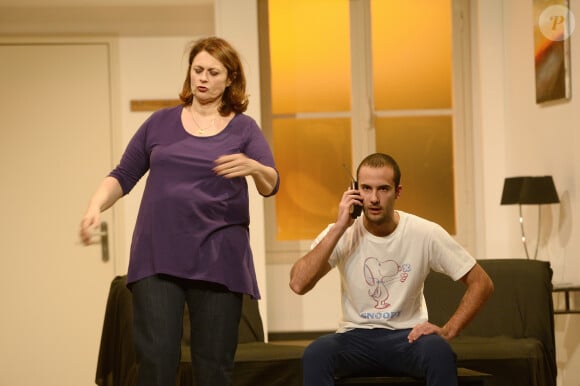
x=116 y=239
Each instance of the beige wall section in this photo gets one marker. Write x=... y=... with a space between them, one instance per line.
x=319 y=310
x=520 y=137
x=237 y=22
x=489 y=126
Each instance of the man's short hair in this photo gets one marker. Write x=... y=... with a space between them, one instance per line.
x=379 y=160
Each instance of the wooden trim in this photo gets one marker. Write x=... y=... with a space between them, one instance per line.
x=153 y=104
x=297 y=335
x=466 y=377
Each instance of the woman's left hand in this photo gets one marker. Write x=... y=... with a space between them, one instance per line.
x=234 y=165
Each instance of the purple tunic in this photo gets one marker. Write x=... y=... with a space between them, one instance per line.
x=192 y=223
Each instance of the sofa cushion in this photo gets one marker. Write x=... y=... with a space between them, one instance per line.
x=512 y=337
x=497 y=347
x=258 y=363
x=511 y=361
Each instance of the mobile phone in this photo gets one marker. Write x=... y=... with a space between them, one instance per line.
x=355 y=209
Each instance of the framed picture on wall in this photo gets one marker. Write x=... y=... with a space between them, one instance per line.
x=553 y=26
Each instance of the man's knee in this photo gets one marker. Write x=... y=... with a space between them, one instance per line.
x=313 y=352
x=319 y=353
x=434 y=348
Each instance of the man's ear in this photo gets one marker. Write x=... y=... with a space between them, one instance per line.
x=398 y=191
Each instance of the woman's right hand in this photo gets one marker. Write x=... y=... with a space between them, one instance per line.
x=89 y=225
x=105 y=196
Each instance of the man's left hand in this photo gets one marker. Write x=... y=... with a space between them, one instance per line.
x=427 y=328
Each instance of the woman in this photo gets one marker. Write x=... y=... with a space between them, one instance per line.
x=191 y=240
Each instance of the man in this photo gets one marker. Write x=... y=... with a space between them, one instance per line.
x=383 y=258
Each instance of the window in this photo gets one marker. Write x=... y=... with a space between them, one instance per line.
x=342 y=79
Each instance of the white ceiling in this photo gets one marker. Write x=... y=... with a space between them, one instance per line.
x=101 y=3
x=117 y=17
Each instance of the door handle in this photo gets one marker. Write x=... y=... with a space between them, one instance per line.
x=104 y=234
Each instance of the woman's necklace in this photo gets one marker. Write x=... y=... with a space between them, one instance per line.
x=202 y=130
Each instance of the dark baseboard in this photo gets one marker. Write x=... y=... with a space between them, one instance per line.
x=296 y=335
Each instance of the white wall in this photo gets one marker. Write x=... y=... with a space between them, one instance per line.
x=237 y=22
x=319 y=310
x=518 y=137
x=489 y=127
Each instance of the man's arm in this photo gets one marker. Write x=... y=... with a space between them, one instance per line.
x=479 y=289
x=310 y=268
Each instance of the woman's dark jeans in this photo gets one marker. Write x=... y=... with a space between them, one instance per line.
x=158 y=304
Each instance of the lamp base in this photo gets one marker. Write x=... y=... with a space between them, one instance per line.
x=524 y=234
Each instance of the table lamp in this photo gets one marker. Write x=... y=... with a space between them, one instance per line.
x=529 y=191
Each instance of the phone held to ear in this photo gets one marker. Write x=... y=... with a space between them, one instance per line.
x=355 y=210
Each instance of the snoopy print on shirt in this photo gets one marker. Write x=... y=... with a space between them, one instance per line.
x=379 y=275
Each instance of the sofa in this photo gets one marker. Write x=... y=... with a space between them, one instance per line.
x=511 y=338
x=256 y=362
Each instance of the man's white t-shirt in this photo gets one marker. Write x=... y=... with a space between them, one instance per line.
x=382 y=277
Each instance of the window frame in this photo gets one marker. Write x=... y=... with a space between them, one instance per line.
x=362 y=117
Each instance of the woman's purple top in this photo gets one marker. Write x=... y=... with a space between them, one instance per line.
x=192 y=223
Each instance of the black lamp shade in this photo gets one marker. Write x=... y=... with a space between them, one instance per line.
x=529 y=190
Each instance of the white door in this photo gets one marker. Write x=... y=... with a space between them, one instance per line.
x=55 y=147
